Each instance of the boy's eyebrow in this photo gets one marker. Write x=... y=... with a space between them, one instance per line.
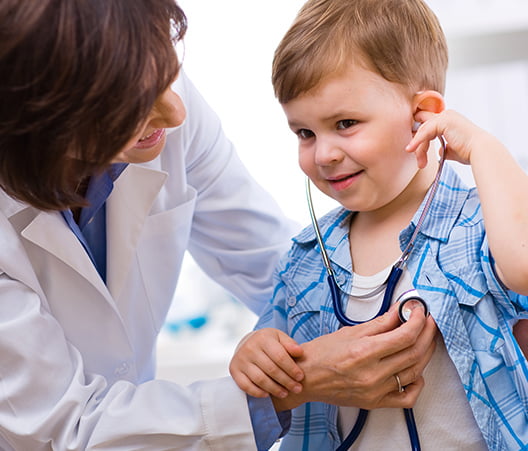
x=341 y=114
x=293 y=124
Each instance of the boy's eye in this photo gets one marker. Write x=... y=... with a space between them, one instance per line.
x=304 y=133
x=346 y=123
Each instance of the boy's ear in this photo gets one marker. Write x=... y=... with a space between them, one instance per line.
x=430 y=100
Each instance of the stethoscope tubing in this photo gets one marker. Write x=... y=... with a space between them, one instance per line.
x=392 y=281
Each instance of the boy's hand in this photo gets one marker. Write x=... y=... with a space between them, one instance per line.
x=264 y=364
x=463 y=136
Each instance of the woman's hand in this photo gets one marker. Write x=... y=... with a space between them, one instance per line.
x=264 y=364
x=356 y=366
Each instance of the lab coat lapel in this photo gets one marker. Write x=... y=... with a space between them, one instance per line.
x=17 y=265
x=127 y=209
x=49 y=231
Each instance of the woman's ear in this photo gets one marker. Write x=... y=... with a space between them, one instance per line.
x=431 y=101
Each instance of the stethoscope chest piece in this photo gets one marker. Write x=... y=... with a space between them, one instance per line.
x=409 y=301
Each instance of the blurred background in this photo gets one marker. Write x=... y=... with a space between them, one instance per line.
x=228 y=53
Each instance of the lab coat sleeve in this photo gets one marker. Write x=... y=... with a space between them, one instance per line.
x=48 y=401
x=238 y=231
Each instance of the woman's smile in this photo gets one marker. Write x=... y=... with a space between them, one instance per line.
x=151 y=140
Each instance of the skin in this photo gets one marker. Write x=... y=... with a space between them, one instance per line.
x=353 y=130
x=168 y=111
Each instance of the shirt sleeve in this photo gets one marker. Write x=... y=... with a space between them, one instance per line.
x=268 y=425
x=514 y=305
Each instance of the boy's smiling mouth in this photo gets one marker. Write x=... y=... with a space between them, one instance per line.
x=342 y=182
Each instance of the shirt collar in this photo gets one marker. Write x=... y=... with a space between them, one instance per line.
x=99 y=188
x=438 y=223
x=445 y=207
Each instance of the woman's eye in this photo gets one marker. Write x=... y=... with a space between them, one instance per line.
x=304 y=133
x=346 y=123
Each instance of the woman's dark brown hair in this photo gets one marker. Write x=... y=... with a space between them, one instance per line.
x=77 y=79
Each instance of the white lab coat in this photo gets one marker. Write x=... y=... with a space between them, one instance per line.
x=76 y=356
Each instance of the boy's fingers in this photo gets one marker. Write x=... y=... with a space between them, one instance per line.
x=245 y=384
x=286 y=361
x=263 y=381
x=282 y=369
x=293 y=348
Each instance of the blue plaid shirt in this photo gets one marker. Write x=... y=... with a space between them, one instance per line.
x=453 y=271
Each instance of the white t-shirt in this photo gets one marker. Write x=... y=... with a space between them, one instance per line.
x=443 y=416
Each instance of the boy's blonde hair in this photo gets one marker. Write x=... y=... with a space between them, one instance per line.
x=399 y=39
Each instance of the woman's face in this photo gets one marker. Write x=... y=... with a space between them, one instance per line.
x=147 y=144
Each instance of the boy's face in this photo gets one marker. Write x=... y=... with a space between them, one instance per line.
x=352 y=130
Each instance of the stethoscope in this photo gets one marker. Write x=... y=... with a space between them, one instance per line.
x=404 y=308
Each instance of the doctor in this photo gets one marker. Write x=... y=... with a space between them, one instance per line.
x=94 y=222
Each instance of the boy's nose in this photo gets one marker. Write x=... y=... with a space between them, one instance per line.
x=169 y=110
x=327 y=153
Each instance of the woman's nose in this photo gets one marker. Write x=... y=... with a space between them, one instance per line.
x=169 y=110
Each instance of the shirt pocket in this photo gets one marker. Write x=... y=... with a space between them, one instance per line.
x=480 y=309
x=161 y=248
x=304 y=311
x=469 y=284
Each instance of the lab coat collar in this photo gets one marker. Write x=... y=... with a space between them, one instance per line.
x=127 y=208
x=13 y=258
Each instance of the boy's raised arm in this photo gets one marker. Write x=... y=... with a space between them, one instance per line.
x=502 y=185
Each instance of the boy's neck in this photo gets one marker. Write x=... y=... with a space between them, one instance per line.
x=374 y=235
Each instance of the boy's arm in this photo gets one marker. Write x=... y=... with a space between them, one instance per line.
x=502 y=185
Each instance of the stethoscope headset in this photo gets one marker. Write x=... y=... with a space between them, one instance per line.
x=405 y=299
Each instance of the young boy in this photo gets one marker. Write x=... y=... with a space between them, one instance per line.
x=353 y=77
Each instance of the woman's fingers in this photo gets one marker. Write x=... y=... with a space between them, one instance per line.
x=388 y=336
x=410 y=362
x=406 y=399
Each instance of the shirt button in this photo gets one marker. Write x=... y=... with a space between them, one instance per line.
x=291 y=301
x=122 y=369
